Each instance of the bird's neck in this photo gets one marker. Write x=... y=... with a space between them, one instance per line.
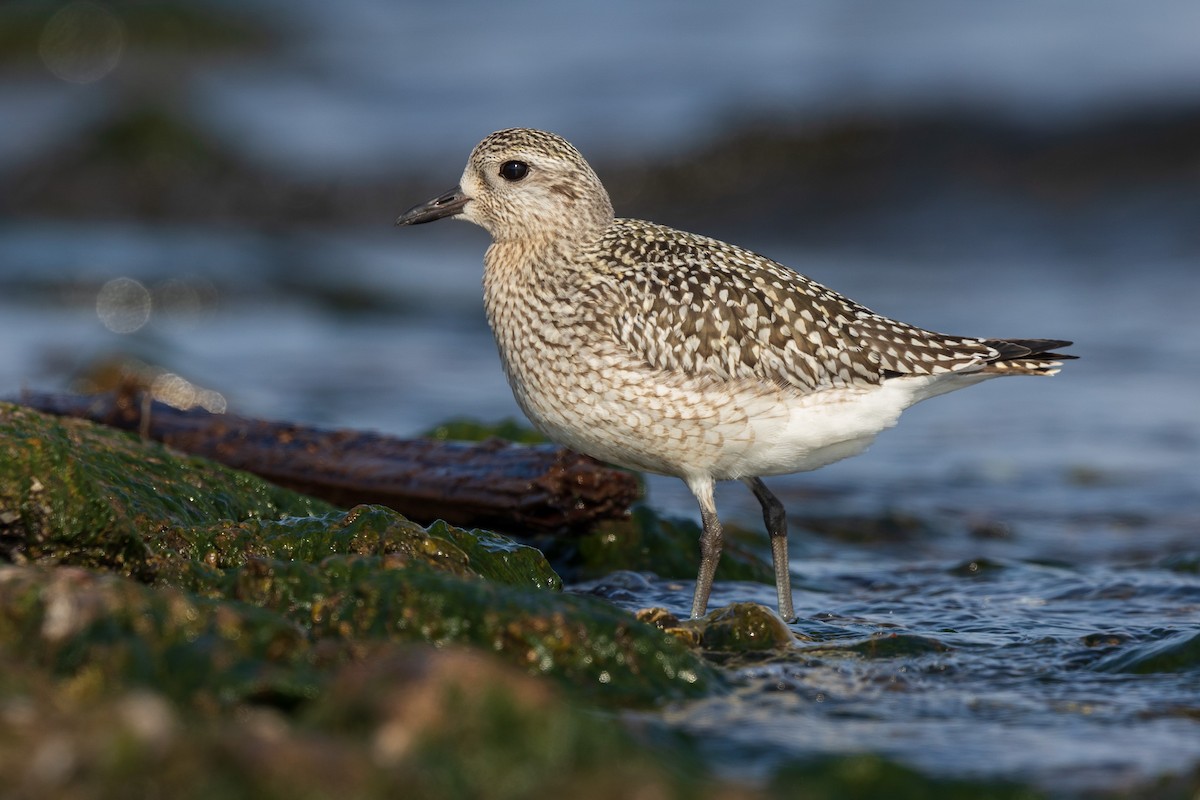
x=523 y=279
x=531 y=261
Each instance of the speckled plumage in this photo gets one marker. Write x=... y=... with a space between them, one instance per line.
x=665 y=351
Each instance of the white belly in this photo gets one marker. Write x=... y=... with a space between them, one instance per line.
x=637 y=419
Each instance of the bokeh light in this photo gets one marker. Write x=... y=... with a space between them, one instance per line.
x=123 y=305
x=83 y=42
x=179 y=392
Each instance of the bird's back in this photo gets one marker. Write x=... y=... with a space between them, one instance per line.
x=668 y=351
x=698 y=305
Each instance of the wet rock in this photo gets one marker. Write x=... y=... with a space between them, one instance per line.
x=521 y=489
x=1176 y=651
x=668 y=547
x=77 y=493
x=455 y=723
x=870 y=776
x=978 y=567
x=744 y=628
x=171 y=627
x=895 y=645
x=397 y=721
x=1104 y=640
x=104 y=633
x=598 y=650
x=671 y=625
x=186 y=556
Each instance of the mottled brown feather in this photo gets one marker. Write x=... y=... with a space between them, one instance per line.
x=695 y=305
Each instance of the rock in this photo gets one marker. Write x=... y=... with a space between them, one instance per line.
x=78 y=493
x=744 y=627
x=536 y=488
x=736 y=628
x=292 y=578
x=647 y=542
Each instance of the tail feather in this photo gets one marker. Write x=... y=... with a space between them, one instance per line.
x=1027 y=356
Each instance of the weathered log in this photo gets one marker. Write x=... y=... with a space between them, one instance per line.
x=495 y=484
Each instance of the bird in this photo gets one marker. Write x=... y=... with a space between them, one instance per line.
x=664 y=351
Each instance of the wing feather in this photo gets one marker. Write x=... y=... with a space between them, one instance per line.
x=689 y=304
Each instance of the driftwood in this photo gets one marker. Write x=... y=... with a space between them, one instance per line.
x=496 y=484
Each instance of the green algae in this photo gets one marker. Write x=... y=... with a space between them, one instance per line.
x=464 y=429
x=596 y=649
x=669 y=547
x=498 y=558
x=400 y=721
x=102 y=633
x=261 y=634
x=230 y=541
x=78 y=493
x=643 y=541
x=744 y=628
x=364 y=530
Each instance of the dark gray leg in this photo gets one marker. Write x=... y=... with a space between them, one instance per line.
x=711 y=541
x=776 y=522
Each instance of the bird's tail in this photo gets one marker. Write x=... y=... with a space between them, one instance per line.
x=1027 y=356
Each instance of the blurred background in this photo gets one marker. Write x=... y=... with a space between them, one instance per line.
x=201 y=195
x=204 y=191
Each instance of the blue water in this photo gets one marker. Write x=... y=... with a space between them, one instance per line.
x=1057 y=544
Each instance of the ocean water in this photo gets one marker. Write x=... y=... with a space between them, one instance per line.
x=1007 y=584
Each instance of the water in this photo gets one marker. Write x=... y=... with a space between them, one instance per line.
x=1059 y=517
x=1051 y=558
x=1009 y=677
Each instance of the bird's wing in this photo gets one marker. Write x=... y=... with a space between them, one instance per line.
x=685 y=303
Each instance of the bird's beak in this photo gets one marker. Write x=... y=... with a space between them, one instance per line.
x=447 y=205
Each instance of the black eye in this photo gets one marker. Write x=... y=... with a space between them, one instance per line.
x=514 y=170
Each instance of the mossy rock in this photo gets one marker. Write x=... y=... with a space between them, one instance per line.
x=465 y=429
x=74 y=492
x=398 y=721
x=195 y=557
x=81 y=494
x=102 y=633
x=668 y=547
x=643 y=541
x=596 y=649
x=744 y=628
x=277 y=622
x=78 y=493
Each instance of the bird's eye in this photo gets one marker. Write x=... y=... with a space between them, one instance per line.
x=514 y=170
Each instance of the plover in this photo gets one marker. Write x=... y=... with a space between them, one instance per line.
x=664 y=351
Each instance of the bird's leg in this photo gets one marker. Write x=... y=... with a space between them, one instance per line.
x=711 y=541
x=776 y=521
